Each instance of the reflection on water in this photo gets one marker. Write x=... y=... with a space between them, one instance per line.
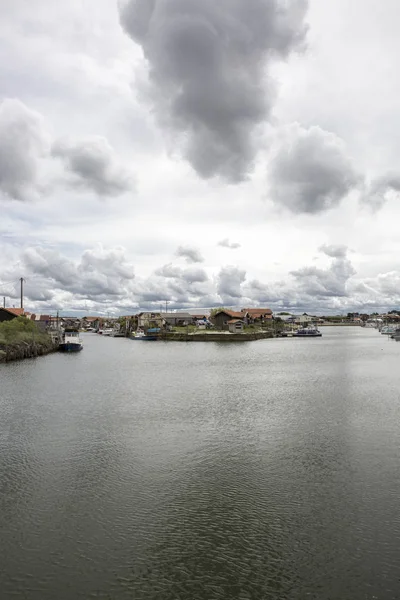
x=203 y=471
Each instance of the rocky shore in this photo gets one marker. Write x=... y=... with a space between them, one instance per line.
x=20 y=350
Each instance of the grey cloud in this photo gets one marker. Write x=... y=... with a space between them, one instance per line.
x=311 y=172
x=193 y=275
x=191 y=255
x=169 y=271
x=229 y=283
x=377 y=192
x=23 y=142
x=93 y=165
x=98 y=274
x=208 y=67
x=329 y=282
x=334 y=251
x=225 y=243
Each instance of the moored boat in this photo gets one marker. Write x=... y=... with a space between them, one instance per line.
x=152 y=335
x=70 y=341
x=307 y=332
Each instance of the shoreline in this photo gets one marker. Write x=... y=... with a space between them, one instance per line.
x=22 y=350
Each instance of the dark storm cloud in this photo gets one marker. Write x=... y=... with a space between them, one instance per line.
x=227 y=244
x=94 y=165
x=22 y=144
x=208 y=67
x=191 y=255
x=311 y=172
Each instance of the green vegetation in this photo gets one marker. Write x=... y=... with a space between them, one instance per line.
x=20 y=330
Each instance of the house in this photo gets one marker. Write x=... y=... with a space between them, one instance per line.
x=222 y=318
x=8 y=314
x=236 y=326
x=257 y=314
x=149 y=319
x=180 y=319
x=305 y=319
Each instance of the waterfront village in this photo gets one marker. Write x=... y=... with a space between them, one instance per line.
x=218 y=320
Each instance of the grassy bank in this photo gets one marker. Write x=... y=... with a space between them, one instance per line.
x=20 y=338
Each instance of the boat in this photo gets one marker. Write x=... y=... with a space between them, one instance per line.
x=388 y=329
x=108 y=331
x=307 y=332
x=152 y=335
x=396 y=335
x=70 y=341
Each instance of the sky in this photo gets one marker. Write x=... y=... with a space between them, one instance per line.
x=232 y=153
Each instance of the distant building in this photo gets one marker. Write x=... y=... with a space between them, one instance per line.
x=235 y=326
x=177 y=318
x=222 y=318
x=257 y=314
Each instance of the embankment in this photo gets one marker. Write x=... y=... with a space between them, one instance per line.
x=218 y=337
x=18 y=350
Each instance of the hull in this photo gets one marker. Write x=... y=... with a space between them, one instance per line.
x=307 y=335
x=145 y=338
x=70 y=347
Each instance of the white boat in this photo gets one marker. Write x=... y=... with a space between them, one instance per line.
x=108 y=332
x=308 y=332
x=70 y=341
x=388 y=329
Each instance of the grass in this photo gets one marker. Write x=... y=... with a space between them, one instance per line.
x=20 y=330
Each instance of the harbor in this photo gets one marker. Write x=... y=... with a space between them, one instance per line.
x=124 y=481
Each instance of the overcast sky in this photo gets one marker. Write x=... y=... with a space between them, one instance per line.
x=235 y=153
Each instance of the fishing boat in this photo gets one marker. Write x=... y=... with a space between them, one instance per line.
x=70 y=341
x=307 y=332
x=152 y=335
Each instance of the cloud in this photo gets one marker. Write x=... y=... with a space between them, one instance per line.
x=330 y=282
x=333 y=251
x=191 y=255
x=310 y=172
x=23 y=142
x=208 y=67
x=93 y=165
x=225 y=243
x=229 y=282
x=380 y=188
x=98 y=274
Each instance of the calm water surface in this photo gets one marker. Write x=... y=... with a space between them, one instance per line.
x=268 y=470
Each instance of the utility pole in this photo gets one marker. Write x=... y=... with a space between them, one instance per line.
x=166 y=306
x=4 y=301
x=22 y=291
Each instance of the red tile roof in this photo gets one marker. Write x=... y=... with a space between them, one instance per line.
x=257 y=311
x=231 y=313
x=235 y=321
x=15 y=311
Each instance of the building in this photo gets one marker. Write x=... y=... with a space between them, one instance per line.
x=8 y=314
x=235 y=326
x=222 y=318
x=178 y=319
x=149 y=319
x=260 y=315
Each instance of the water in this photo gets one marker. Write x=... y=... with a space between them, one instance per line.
x=268 y=470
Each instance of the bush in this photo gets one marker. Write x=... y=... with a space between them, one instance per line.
x=20 y=330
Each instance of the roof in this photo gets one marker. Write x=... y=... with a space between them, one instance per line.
x=177 y=315
x=18 y=312
x=230 y=313
x=257 y=311
x=234 y=321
